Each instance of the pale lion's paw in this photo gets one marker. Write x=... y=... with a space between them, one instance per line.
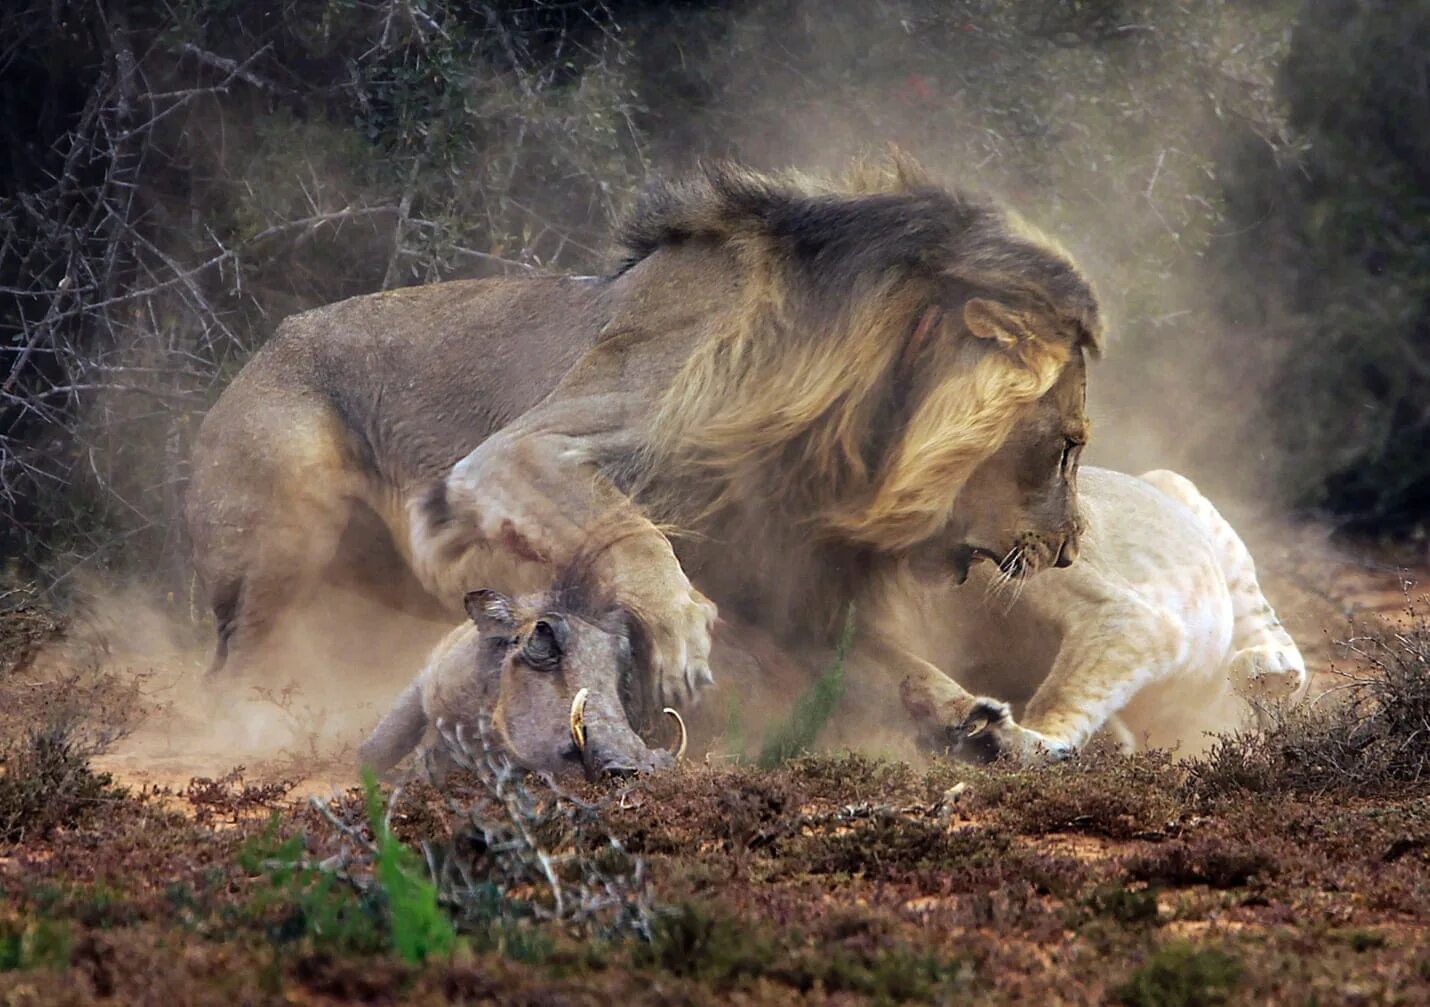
x=1268 y=673
x=680 y=637
x=989 y=733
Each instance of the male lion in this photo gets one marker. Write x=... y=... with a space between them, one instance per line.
x=813 y=384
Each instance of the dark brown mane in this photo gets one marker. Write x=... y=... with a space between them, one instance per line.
x=839 y=244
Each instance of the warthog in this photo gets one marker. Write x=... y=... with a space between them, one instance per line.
x=549 y=676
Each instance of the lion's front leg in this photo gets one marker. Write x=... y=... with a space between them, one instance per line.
x=531 y=499
x=948 y=718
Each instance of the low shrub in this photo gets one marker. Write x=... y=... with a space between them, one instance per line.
x=48 y=783
x=1368 y=736
x=1182 y=975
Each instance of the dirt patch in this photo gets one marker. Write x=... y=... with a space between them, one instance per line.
x=833 y=879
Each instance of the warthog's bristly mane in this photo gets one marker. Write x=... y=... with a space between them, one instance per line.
x=842 y=384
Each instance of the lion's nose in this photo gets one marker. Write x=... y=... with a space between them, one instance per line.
x=1067 y=553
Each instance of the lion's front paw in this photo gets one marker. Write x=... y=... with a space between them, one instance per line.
x=1268 y=673
x=989 y=733
x=680 y=646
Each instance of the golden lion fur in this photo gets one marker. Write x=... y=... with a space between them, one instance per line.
x=798 y=379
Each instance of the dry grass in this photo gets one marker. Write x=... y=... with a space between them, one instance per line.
x=827 y=880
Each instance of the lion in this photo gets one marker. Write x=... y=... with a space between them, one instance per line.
x=813 y=383
x=1158 y=635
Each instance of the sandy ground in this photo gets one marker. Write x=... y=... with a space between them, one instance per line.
x=303 y=723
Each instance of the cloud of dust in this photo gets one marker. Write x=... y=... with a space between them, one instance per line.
x=341 y=660
x=1110 y=148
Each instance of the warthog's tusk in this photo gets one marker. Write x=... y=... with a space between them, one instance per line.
x=578 y=720
x=680 y=749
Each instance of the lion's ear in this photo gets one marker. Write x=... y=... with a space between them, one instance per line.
x=990 y=320
x=489 y=609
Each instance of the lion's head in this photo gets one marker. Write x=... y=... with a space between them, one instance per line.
x=1018 y=508
x=903 y=365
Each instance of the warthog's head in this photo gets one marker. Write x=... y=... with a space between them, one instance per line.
x=559 y=686
x=547 y=678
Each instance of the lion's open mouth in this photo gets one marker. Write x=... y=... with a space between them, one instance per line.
x=1012 y=563
x=964 y=556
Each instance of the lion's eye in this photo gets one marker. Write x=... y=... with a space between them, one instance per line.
x=1071 y=448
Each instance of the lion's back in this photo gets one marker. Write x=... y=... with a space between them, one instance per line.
x=417 y=376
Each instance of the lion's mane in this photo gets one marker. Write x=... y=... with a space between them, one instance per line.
x=843 y=386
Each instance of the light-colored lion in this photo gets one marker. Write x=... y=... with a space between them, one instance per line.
x=1159 y=633
x=816 y=385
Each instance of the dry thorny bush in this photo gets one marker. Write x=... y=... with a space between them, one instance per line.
x=52 y=723
x=521 y=851
x=1367 y=735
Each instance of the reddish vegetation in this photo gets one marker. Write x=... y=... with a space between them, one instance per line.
x=830 y=880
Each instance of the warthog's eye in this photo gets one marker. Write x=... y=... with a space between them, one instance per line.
x=543 y=647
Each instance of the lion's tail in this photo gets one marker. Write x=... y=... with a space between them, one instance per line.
x=1265 y=661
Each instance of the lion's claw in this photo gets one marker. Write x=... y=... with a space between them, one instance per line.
x=989 y=733
x=680 y=648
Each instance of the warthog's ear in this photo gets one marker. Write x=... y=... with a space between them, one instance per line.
x=990 y=320
x=489 y=609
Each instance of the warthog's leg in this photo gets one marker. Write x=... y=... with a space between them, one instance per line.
x=399 y=732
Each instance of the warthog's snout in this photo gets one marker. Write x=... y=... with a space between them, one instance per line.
x=609 y=747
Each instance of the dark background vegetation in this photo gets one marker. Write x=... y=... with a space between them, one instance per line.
x=1247 y=180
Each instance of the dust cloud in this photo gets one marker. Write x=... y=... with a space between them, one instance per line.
x=159 y=720
x=1118 y=171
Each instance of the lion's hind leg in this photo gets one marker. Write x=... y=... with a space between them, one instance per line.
x=1266 y=666
x=266 y=513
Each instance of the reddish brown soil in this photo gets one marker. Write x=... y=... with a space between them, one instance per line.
x=831 y=880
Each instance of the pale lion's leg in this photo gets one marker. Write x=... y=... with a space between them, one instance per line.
x=947 y=716
x=1107 y=657
x=1266 y=665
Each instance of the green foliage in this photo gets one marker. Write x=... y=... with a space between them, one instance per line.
x=419 y=926
x=295 y=901
x=1330 y=239
x=812 y=709
x=1182 y=975
x=36 y=943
